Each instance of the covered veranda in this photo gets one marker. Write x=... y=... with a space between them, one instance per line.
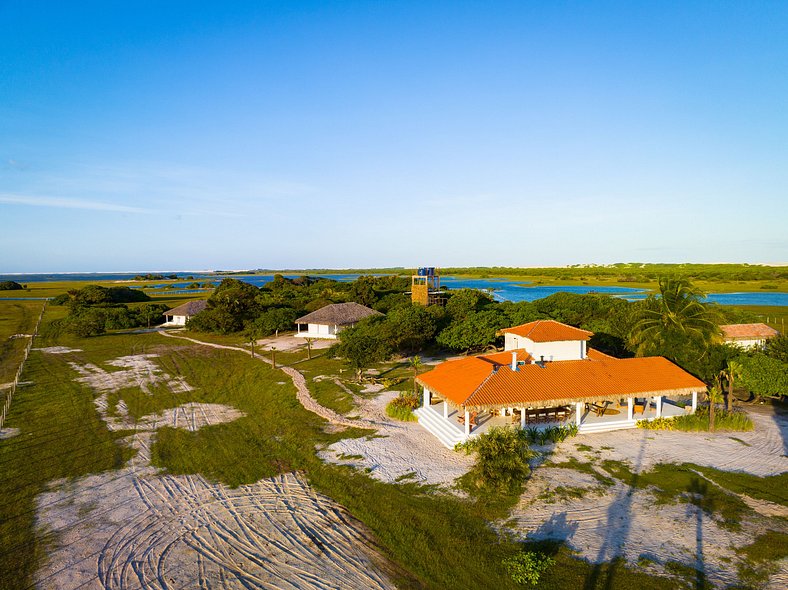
x=590 y=415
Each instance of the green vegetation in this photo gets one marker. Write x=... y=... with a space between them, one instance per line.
x=10 y=286
x=16 y=317
x=527 y=567
x=762 y=557
x=502 y=455
x=551 y=434
x=765 y=376
x=402 y=406
x=700 y=422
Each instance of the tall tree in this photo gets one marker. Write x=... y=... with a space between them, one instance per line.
x=674 y=323
x=732 y=372
x=415 y=364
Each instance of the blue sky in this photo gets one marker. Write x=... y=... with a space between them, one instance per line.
x=137 y=136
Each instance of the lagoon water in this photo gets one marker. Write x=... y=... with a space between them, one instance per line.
x=502 y=289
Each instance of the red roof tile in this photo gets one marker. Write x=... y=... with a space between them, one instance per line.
x=476 y=382
x=548 y=331
x=747 y=331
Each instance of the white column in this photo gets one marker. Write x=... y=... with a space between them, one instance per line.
x=467 y=423
x=630 y=408
x=426 y=398
x=522 y=417
x=694 y=401
x=445 y=409
x=658 y=400
x=578 y=412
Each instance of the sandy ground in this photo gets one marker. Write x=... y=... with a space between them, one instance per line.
x=135 y=528
x=607 y=522
x=399 y=450
x=288 y=342
x=58 y=350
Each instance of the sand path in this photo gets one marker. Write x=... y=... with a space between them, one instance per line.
x=302 y=391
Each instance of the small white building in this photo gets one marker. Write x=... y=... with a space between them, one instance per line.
x=548 y=340
x=180 y=316
x=328 y=321
x=748 y=336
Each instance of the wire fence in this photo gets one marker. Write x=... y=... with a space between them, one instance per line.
x=15 y=383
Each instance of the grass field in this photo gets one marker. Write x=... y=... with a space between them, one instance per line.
x=434 y=539
x=16 y=317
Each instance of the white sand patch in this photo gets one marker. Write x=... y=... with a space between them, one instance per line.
x=619 y=521
x=127 y=530
x=8 y=433
x=138 y=371
x=763 y=454
x=622 y=522
x=398 y=450
x=58 y=350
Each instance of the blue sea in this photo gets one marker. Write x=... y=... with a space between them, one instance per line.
x=501 y=289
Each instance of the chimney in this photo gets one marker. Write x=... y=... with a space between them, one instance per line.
x=514 y=360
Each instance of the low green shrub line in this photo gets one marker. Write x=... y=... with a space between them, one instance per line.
x=699 y=422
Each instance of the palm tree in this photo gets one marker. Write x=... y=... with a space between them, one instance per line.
x=731 y=372
x=415 y=364
x=714 y=395
x=673 y=319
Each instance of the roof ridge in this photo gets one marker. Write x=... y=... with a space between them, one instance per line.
x=486 y=379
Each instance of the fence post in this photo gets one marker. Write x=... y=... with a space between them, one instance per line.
x=18 y=376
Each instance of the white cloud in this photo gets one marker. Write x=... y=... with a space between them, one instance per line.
x=67 y=203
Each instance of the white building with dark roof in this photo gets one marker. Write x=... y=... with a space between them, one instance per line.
x=328 y=321
x=180 y=316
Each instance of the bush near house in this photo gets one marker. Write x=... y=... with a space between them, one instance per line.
x=699 y=422
x=402 y=406
x=502 y=455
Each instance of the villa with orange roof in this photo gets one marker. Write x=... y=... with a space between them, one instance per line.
x=548 y=375
x=748 y=335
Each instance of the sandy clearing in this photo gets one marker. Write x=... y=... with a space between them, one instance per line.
x=762 y=452
x=58 y=350
x=138 y=371
x=134 y=530
x=8 y=433
x=609 y=522
x=398 y=449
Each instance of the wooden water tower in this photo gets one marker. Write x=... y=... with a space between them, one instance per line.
x=425 y=287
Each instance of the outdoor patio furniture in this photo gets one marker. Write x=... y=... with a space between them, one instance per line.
x=471 y=419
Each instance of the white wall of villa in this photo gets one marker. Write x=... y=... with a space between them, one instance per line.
x=441 y=418
x=755 y=343
x=176 y=320
x=561 y=350
x=319 y=331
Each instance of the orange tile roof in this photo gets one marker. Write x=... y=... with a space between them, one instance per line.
x=476 y=382
x=747 y=331
x=548 y=331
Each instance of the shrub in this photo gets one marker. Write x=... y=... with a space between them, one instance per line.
x=528 y=566
x=10 y=286
x=699 y=422
x=402 y=406
x=502 y=458
x=553 y=434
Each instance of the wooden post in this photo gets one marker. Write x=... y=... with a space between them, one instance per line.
x=273 y=357
x=467 y=423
